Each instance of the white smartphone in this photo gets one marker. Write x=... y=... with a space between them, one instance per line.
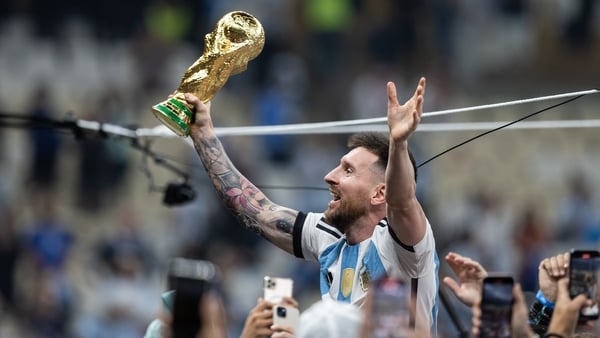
x=275 y=288
x=286 y=316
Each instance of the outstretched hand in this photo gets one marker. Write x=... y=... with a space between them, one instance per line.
x=470 y=276
x=404 y=119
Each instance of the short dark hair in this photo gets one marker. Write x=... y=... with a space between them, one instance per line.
x=378 y=144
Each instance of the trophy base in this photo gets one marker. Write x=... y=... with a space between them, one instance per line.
x=175 y=115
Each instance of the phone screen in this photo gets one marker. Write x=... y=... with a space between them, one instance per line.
x=390 y=313
x=583 y=269
x=496 y=307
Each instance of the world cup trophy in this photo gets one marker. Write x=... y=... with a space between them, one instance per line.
x=237 y=38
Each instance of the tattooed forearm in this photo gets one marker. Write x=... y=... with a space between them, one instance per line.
x=238 y=194
x=251 y=224
x=249 y=205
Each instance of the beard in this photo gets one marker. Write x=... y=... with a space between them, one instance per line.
x=347 y=212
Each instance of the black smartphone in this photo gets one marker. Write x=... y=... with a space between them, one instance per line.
x=496 y=306
x=390 y=312
x=191 y=279
x=583 y=269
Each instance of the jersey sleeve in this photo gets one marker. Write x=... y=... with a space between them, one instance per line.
x=414 y=261
x=312 y=235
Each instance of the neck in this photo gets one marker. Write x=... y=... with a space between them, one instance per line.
x=362 y=229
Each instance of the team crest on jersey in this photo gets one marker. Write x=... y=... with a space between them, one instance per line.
x=364 y=277
x=347 y=281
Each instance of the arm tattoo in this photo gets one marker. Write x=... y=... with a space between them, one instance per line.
x=238 y=194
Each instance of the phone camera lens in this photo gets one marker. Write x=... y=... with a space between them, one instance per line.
x=281 y=312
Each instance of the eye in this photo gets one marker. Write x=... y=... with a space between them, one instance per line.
x=348 y=170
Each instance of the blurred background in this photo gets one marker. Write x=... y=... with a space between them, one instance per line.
x=85 y=237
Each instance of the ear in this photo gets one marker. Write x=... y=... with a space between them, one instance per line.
x=378 y=196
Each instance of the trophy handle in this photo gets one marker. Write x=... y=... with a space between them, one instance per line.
x=175 y=113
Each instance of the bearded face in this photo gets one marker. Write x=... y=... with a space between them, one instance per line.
x=345 y=210
x=351 y=184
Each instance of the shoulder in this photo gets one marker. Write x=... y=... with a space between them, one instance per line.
x=316 y=224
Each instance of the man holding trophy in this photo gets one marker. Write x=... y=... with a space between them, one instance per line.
x=373 y=227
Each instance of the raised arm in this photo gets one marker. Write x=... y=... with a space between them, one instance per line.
x=249 y=205
x=404 y=212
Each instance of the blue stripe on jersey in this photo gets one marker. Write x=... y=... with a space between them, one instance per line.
x=326 y=260
x=372 y=263
x=347 y=271
x=434 y=310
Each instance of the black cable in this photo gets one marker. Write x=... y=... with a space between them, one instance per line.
x=498 y=128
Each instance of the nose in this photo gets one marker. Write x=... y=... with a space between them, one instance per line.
x=331 y=177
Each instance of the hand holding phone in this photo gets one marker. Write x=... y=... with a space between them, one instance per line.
x=583 y=279
x=496 y=306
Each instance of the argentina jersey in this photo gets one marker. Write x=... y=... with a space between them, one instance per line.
x=347 y=270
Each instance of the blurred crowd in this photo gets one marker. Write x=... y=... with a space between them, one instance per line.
x=84 y=239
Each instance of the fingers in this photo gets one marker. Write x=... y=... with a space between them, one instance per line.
x=420 y=98
x=392 y=95
x=556 y=266
x=282 y=334
x=420 y=91
x=452 y=284
x=281 y=328
x=192 y=99
x=460 y=263
x=289 y=301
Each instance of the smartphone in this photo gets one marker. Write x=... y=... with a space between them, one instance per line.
x=583 y=269
x=286 y=316
x=390 y=313
x=496 y=306
x=275 y=288
x=190 y=279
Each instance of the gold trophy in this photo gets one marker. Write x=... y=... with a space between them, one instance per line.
x=237 y=38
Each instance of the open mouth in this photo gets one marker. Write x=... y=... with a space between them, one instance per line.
x=335 y=198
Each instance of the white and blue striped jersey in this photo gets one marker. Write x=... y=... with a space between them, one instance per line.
x=346 y=270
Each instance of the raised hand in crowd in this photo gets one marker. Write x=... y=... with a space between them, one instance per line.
x=470 y=275
x=551 y=270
